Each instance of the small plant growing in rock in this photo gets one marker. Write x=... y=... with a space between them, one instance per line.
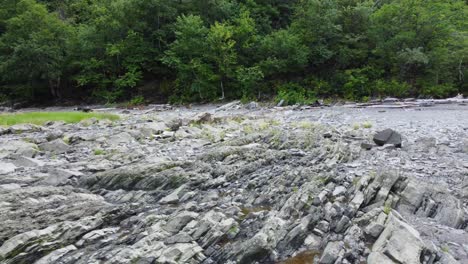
x=275 y=138
x=98 y=152
x=208 y=135
x=356 y=181
x=367 y=125
x=445 y=248
x=238 y=119
x=222 y=134
x=274 y=122
x=310 y=200
x=263 y=126
x=305 y=125
x=356 y=126
x=248 y=129
x=28 y=140
x=66 y=140
x=233 y=231
x=387 y=209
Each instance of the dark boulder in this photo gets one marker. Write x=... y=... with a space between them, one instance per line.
x=388 y=136
x=84 y=109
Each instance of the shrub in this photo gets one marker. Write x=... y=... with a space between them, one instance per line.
x=3 y=98
x=108 y=96
x=136 y=101
x=358 y=82
x=392 y=88
x=293 y=93
x=439 y=91
x=321 y=87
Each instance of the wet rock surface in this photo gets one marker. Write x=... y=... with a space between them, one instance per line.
x=236 y=184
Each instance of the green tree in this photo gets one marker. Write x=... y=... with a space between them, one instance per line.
x=421 y=42
x=222 y=53
x=283 y=53
x=186 y=54
x=248 y=79
x=33 y=50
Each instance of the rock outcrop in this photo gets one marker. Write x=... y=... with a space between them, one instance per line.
x=233 y=185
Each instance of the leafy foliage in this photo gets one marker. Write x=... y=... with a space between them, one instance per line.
x=215 y=49
x=292 y=93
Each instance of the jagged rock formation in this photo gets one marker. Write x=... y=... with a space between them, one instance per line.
x=236 y=186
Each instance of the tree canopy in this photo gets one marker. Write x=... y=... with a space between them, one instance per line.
x=205 y=50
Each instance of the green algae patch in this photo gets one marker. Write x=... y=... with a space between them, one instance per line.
x=40 y=118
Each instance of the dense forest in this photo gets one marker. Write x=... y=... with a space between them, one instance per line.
x=206 y=50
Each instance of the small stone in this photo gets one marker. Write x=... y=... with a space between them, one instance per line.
x=378 y=258
x=390 y=100
x=181 y=220
x=178 y=238
x=54 y=134
x=229 y=106
x=21 y=161
x=464 y=146
x=6 y=167
x=24 y=128
x=252 y=106
x=339 y=190
x=343 y=224
x=58 y=177
x=313 y=241
x=366 y=146
x=57 y=146
x=84 y=109
x=374 y=229
x=174 y=124
x=174 y=197
x=323 y=226
x=331 y=252
x=202 y=118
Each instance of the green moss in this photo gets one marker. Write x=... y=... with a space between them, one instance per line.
x=445 y=248
x=238 y=119
x=264 y=125
x=208 y=135
x=323 y=180
x=66 y=140
x=175 y=181
x=233 y=230
x=305 y=125
x=248 y=129
x=310 y=200
x=40 y=118
x=367 y=125
x=275 y=122
x=356 y=181
x=99 y=152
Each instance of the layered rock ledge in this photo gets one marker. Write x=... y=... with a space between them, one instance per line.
x=244 y=185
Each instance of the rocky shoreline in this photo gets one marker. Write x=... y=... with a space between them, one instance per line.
x=237 y=184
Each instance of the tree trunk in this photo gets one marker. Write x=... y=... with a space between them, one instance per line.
x=222 y=90
x=460 y=70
